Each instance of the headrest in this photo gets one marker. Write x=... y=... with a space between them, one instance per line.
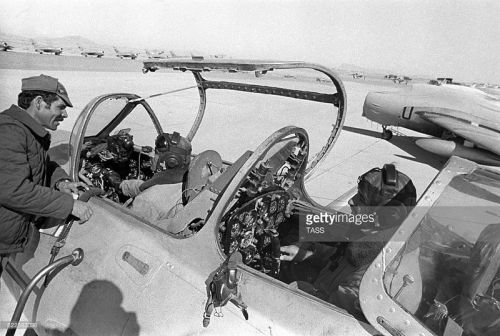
x=380 y=186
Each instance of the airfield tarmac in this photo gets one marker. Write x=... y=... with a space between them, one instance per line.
x=234 y=123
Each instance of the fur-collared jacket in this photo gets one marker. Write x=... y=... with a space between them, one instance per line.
x=27 y=178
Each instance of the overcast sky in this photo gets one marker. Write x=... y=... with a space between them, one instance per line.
x=455 y=38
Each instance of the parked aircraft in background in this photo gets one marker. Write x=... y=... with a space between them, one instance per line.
x=91 y=52
x=401 y=79
x=156 y=54
x=46 y=49
x=218 y=56
x=445 y=80
x=357 y=75
x=5 y=46
x=197 y=56
x=466 y=120
x=125 y=54
x=175 y=54
x=398 y=79
x=491 y=89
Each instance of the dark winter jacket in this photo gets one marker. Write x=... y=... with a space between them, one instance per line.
x=27 y=177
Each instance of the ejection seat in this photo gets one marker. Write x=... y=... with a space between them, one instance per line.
x=163 y=201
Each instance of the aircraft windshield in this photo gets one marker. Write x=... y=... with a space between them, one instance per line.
x=105 y=112
x=447 y=273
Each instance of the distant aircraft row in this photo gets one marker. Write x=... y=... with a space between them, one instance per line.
x=100 y=53
x=395 y=78
x=398 y=79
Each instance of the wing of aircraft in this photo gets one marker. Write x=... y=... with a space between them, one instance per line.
x=484 y=133
x=457 y=114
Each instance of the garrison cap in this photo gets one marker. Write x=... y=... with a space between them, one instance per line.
x=47 y=84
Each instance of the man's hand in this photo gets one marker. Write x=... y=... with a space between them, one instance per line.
x=290 y=252
x=130 y=188
x=72 y=187
x=82 y=211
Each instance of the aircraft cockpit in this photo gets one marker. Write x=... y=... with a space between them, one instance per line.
x=109 y=146
x=440 y=271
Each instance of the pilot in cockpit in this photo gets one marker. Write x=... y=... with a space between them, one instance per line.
x=333 y=272
x=170 y=165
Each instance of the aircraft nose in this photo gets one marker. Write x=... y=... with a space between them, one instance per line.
x=378 y=106
x=373 y=102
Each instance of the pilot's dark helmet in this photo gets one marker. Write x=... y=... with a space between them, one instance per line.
x=173 y=150
x=387 y=191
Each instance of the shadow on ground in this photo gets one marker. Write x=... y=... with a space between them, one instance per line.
x=407 y=144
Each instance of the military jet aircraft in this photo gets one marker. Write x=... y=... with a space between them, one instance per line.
x=46 y=49
x=156 y=54
x=179 y=54
x=458 y=115
x=357 y=75
x=125 y=54
x=398 y=79
x=135 y=275
x=401 y=79
x=217 y=56
x=91 y=52
x=5 y=46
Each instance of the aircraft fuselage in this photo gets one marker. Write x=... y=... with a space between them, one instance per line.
x=395 y=108
x=126 y=54
x=55 y=51
x=405 y=107
x=92 y=53
x=131 y=56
